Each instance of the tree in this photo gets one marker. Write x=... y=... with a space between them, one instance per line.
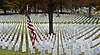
x=10 y=4
x=15 y=5
x=47 y=6
x=50 y=15
x=1 y=3
x=51 y=5
x=90 y=4
x=97 y=5
x=6 y=6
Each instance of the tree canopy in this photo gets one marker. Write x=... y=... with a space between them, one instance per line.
x=49 y=6
x=43 y=4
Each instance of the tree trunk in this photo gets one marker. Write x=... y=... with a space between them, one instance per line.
x=35 y=8
x=61 y=8
x=5 y=11
x=1 y=3
x=89 y=12
x=50 y=15
x=15 y=11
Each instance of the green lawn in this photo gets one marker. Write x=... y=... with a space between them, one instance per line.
x=12 y=52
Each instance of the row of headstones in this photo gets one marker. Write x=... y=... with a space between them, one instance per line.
x=44 y=42
x=75 y=46
x=12 y=18
x=14 y=40
x=6 y=37
x=96 y=34
x=30 y=47
x=10 y=44
x=11 y=38
x=10 y=11
x=76 y=30
x=49 y=43
x=63 y=18
x=92 y=37
x=66 y=18
x=38 y=32
x=4 y=26
x=64 y=26
x=72 y=30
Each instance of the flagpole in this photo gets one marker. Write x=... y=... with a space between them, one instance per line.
x=27 y=13
x=27 y=7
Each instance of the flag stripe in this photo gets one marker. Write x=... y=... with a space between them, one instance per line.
x=31 y=28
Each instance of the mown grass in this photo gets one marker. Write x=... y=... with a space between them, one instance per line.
x=19 y=52
x=12 y=52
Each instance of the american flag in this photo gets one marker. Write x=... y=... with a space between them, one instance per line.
x=30 y=27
